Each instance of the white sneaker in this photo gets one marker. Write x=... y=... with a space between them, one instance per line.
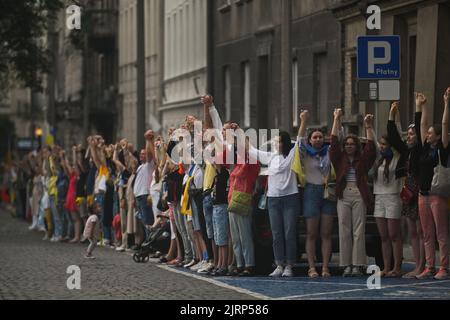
x=42 y=228
x=206 y=268
x=278 y=272
x=197 y=266
x=120 y=249
x=288 y=272
x=190 y=264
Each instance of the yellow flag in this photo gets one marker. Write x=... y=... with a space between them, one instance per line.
x=185 y=204
x=297 y=167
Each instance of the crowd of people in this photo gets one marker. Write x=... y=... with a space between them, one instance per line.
x=114 y=195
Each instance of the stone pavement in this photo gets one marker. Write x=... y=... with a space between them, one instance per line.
x=31 y=268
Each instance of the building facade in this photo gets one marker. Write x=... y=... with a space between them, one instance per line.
x=273 y=58
x=127 y=66
x=185 y=60
x=423 y=27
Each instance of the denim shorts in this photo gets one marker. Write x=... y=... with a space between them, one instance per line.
x=145 y=210
x=221 y=224
x=314 y=204
x=208 y=212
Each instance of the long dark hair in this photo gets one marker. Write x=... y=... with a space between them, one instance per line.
x=380 y=162
x=285 y=140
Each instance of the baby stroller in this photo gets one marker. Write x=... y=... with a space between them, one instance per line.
x=157 y=239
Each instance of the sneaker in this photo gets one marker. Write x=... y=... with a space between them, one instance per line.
x=220 y=272
x=441 y=275
x=89 y=256
x=198 y=266
x=278 y=272
x=288 y=272
x=45 y=237
x=426 y=274
x=41 y=228
x=206 y=268
x=190 y=264
x=356 y=272
x=120 y=249
x=55 y=239
x=347 y=271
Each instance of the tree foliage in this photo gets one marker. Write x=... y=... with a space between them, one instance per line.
x=23 y=27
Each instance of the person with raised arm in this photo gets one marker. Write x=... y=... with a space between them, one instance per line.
x=433 y=210
x=352 y=163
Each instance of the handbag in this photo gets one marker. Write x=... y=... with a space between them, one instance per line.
x=262 y=203
x=240 y=203
x=329 y=192
x=440 y=184
x=407 y=195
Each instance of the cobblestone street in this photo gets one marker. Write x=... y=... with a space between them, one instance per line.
x=34 y=269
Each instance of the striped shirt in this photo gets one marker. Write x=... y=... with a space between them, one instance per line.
x=351 y=175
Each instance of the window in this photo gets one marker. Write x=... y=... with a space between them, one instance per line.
x=295 y=114
x=320 y=89
x=354 y=81
x=246 y=86
x=227 y=91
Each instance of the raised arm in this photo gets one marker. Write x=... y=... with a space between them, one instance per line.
x=445 y=118
x=421 y=101
x=368 y=122
x=207 y=101
x=149 y=145
x=304 y=115
x=65 y=163
x=338 y=113
x=94 y=153
x=119 y=165
x=392 y=130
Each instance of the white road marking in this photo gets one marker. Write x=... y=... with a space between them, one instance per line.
x=354 y=290
x=217 y=283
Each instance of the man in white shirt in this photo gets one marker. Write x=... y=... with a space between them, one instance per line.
x=143 y=181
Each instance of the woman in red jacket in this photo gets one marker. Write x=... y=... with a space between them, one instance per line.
x=352 y=163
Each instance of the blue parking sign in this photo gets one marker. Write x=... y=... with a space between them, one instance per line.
x=378 y=57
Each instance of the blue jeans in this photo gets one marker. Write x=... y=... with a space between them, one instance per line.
x=100 y=199
x=145 y=210
x=221 y=224
x=66 y=220
x=57 y=217
x=208 y=212
x=283 y=213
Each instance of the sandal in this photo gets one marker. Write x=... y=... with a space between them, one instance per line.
x=312 y=273
x=394 y=274
x=326 y=273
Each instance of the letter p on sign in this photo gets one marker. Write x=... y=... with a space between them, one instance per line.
x=372 y=60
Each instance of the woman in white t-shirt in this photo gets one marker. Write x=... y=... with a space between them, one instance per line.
x=283 y=202
x=388 y=204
